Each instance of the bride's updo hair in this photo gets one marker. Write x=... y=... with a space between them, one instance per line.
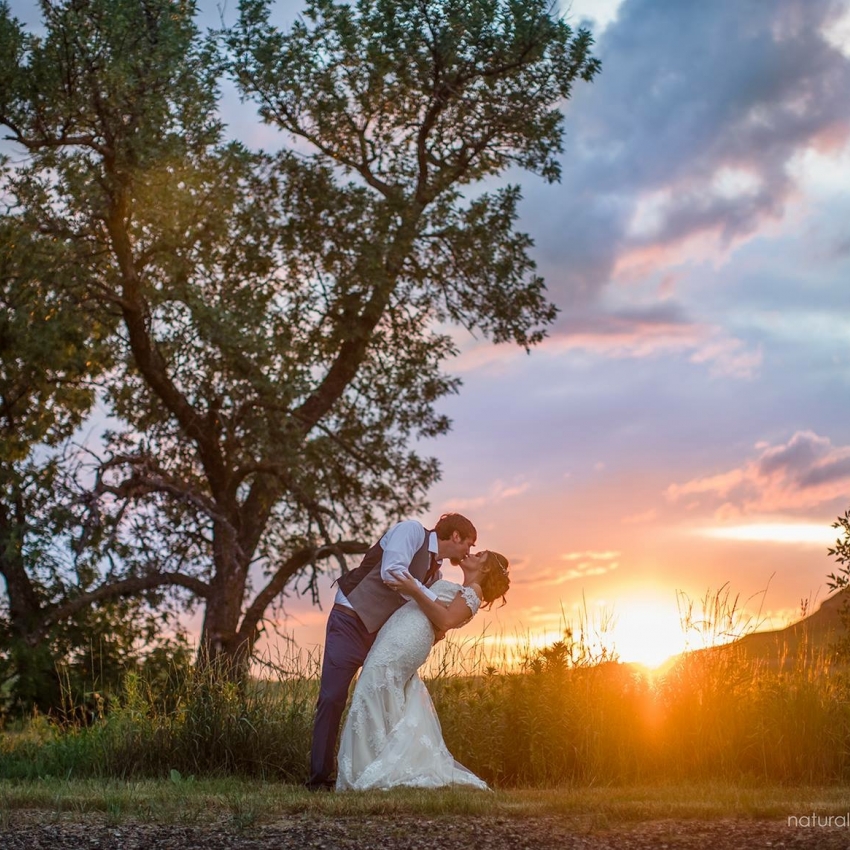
x=494 y=579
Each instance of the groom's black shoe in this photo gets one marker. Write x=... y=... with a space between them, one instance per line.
x=328 y=785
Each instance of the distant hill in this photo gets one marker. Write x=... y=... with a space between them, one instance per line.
x=813 y=635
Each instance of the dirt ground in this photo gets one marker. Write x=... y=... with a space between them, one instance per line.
x=23 y=830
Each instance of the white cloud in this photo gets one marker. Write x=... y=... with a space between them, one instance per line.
x=600 y=13
x=594 y=556
x=498 y=491
x=774 y=532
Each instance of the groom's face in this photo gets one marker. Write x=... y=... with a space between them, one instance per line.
x=456 y=548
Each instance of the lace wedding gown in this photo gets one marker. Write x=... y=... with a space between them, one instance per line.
x=392 y=735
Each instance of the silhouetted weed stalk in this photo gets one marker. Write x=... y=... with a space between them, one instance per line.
x=515 y=714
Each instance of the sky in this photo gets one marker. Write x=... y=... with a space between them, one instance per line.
x=683 y=430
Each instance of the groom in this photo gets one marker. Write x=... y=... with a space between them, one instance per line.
x=363 y=604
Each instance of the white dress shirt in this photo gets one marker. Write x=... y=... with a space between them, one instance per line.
x=400 y=544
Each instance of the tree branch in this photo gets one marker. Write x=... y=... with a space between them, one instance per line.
x=115 y=590
x=148 y=478
x=148 y=358
x=249 y=630
x=58 y=142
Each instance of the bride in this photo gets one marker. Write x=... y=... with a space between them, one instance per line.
x=392 y=735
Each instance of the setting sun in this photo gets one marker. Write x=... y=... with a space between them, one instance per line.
x=647 y=630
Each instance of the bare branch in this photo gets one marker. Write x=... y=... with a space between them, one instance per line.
x=116 y=590
x=148 y=478
x=249 y=630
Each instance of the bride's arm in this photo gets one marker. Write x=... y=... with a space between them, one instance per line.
x=443 y=617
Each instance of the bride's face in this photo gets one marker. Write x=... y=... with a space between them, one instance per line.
x=473 y=563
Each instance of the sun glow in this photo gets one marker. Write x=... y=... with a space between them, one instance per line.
x=647 y=630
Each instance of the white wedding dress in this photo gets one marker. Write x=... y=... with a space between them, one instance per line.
x=392 y=736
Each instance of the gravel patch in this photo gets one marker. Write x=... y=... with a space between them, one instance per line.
x=24 y=830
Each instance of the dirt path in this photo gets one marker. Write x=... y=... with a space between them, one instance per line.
x=40 y=831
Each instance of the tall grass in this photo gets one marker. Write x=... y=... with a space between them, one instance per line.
x=201 y=722
x=519 y=717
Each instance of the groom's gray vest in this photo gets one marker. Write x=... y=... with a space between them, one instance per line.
x=369 y=596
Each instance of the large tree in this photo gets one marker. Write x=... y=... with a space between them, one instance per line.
x=280 y=346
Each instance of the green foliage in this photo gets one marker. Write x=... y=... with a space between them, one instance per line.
x=51 y=353
x=421 y=95
x=51 y=348
x=281 y=318
x=78 y=667
x=841 y=553
x=840 y=581
x=417 y=101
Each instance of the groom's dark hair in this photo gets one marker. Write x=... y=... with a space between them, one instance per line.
x=448 y=524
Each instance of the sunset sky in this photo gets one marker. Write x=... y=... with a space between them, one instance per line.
x=686 y=423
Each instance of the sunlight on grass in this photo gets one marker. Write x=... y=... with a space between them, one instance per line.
x=565 y=715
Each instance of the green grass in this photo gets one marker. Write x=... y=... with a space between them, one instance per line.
x=715 y=717
x=201 y=724
x=561 y=718
x=241 y=803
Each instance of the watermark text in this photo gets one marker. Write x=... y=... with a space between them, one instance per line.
x=814 y=820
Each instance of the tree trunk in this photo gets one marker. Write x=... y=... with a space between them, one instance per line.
x=221 y=644
x=32 y=662
x=24 y=604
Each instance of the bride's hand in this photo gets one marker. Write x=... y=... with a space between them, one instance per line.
x=402 y=582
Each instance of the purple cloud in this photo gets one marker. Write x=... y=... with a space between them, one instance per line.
x=698 y=111
x=805 y=472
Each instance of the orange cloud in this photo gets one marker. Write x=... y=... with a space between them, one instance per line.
x=640 y=518
x=802 y=473
x=581 y=565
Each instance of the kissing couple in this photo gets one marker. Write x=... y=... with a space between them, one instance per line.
x=386 y=617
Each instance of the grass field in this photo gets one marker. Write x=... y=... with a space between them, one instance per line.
x=244 y=803
x=717 y=729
